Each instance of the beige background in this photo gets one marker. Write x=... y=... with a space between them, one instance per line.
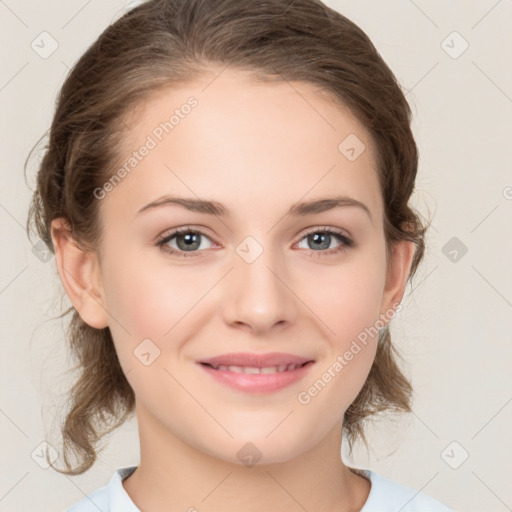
x=454 y=330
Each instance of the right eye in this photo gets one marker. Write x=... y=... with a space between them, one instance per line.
x=183 y=240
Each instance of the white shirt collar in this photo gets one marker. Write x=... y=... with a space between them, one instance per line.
x=383 y=492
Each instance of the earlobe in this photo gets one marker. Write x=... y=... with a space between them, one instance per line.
x=80 y=275
x=397 y=274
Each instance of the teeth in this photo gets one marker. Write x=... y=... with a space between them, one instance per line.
x=250 y=370
x=237 y=369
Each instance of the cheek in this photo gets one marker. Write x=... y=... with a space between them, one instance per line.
x=157 y=303
x=347 y=300
x=150 y=300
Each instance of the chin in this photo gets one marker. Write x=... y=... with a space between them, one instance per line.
x=259 y=449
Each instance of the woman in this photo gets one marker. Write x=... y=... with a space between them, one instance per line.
x=226 y=192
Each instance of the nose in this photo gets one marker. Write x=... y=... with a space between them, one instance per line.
x=258 y=294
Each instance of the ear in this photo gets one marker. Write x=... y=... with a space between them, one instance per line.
x=80 y=274
x=398 y=270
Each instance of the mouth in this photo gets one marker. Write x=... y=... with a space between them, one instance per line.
x=254 y=370
x=257 y=373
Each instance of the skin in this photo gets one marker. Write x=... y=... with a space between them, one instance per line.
x=257 y=148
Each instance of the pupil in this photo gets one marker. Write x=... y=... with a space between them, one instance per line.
x=189 y=240
x=318 y=237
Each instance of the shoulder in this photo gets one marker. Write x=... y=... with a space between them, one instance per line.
x=389 y=496
x=109 y=498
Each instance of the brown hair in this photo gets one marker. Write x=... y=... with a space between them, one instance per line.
x=166 y=42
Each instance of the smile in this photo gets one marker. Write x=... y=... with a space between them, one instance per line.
x=257 y=373
x=253 y=370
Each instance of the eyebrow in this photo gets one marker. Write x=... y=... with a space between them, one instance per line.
x=296 y=210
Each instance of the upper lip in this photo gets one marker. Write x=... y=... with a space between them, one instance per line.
x=255 y=360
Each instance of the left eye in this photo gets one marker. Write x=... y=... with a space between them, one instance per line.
x=320 y=240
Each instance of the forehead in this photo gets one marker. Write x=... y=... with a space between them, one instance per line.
x=239 y=140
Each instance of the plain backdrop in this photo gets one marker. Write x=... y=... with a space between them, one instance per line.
x=453 y=60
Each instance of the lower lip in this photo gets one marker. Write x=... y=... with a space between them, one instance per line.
x=258 y=382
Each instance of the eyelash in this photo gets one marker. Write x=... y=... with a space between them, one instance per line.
x=346 y=242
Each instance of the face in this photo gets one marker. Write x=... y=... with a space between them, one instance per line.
x=275 y=296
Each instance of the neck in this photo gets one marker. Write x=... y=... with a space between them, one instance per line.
x=174 y=476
